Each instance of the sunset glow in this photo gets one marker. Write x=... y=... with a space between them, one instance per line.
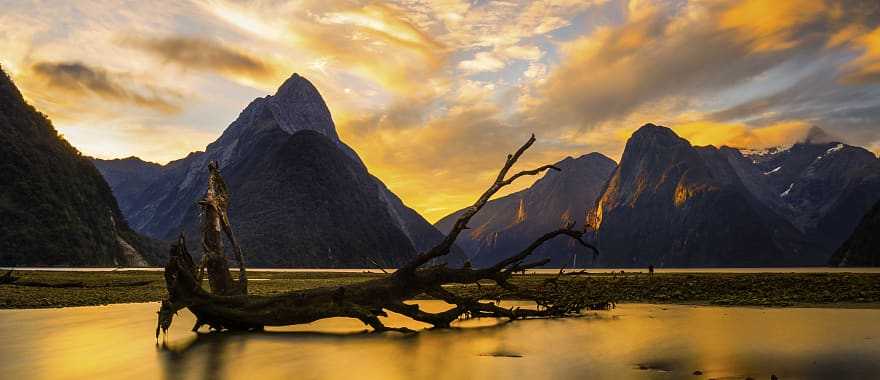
x=433 y=94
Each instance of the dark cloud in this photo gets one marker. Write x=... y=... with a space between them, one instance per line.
x=203 y=54
x=77 y=78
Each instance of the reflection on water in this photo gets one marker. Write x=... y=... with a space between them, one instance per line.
x=631 y=342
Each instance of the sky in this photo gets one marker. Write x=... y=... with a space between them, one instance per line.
x=434 y=94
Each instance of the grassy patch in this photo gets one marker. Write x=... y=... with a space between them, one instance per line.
x=730 y=289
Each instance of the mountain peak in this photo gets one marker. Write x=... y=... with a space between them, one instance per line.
x=297 y=105
x=297 y=88
x=653 y=129
x=651 y=136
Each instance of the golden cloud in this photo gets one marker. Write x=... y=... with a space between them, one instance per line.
x=482 y=62
x=445 y=164
x=772 y=25
x=865 y=68
x=742 y=136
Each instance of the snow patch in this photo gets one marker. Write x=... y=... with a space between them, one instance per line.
x=758 y=155
x=773 y=171
x=830 y=151
x=787 y=191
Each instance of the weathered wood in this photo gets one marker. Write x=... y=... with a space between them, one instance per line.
x=215 y=223
x=368 y=300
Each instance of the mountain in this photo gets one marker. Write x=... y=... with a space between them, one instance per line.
x=129 y=177
x=671 y=204
x=863 y=247
x=300 y=196
x=508 y=224
x=821 y=186
x=55 y=207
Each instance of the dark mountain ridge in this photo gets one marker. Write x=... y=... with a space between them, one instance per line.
x=671 y=204
x=56 y=209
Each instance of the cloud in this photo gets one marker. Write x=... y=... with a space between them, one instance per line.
x=865 y=68
x=375 y=43
x=205 y=54
x=686 y=56
x=768 y=26
x=79 y=79
x=482 y=62
x=742 y=136
x=524 y=52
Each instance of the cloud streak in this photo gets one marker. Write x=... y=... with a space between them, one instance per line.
x=79 y=79
x=204 y=54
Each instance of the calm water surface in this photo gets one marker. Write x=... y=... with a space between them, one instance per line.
x=630 y=342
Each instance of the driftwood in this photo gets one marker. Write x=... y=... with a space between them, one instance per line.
x=223 y=308
x=215 y=204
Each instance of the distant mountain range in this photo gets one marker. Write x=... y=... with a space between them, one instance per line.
x=55 y=208
x=671 y=204
x=508 y=224
x=821 y=186
x=300 y=196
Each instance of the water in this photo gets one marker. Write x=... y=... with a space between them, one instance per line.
x=631 y=342
x=540 y=271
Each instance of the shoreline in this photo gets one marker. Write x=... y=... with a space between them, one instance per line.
x=791 y=290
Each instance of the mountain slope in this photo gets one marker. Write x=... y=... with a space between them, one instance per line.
x=508 y=224
x=55 y=207
x=127 y=177
x=315 y=206
x=168 y=204
x=863 y=247
x=674 y=205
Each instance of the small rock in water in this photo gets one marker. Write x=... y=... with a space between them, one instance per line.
x=698 y=373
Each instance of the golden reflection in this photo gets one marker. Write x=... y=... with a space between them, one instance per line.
x=630 y=342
